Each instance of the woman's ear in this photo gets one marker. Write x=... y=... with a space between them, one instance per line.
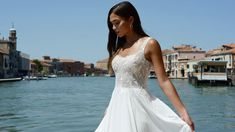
x=131 y=20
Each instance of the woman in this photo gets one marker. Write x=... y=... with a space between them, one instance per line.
x=131 y=54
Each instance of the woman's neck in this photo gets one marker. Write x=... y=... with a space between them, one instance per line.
x=132 y=38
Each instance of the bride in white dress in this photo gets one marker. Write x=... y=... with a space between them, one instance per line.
x=132 y=108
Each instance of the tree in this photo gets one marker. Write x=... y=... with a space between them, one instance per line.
x=38 y=65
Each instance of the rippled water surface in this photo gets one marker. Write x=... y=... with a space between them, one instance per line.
x=76 y=104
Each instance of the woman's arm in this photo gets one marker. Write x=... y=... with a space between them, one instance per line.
x=154 y=55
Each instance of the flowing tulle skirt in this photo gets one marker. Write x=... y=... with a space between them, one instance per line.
x=135 y=110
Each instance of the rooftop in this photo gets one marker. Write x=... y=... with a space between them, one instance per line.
x=232 y=45
x=103 y=61
x=186 y=48
x=66 y=60
x=224 y=49
x=167 y=51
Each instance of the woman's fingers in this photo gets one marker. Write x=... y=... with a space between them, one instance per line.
x=189 y=121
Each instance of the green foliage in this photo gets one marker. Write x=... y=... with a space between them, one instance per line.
x=38 y=64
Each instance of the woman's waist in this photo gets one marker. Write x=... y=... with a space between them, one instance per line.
x=130 y=89
x=136 y=91
x=132 y=84
x=136 y=87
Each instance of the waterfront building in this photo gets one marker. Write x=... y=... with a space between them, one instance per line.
x=101 y=67
x=32 y=69
x=89 y=66
x=24 y=64
x=4 y=63
x=48 y=65
x=46 y=68
x=11 y=58
x=166 y=57
x=89 y=69
x=175 y=60
x=72 y=67
x=225 y=53
x=63 y=67
x=102 y=64
x=205 y=70
x=57 y=67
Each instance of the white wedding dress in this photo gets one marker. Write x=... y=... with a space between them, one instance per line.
x=132 y=108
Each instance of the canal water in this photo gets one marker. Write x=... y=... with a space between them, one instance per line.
x=77 y=104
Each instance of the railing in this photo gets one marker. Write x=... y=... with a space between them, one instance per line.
x=210 y=73
x=210 y=76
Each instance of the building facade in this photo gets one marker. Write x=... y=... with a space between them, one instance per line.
x=13 y=63
x=224 y=53
x=175 y=60
x=4 y=63
x=62 y=67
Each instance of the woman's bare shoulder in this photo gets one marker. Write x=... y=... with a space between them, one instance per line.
x=152 y=49
x=152 y=46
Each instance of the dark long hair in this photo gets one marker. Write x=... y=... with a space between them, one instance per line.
x=124 y=9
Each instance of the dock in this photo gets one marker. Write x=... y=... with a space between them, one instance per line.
x=209 y=72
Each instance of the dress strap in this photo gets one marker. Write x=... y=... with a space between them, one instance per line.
x=145 y=43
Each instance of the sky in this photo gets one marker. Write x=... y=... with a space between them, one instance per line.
x=77 y=29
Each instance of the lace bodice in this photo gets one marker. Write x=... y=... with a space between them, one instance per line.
x=132 y=71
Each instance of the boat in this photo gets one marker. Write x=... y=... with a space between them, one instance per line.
x=52 y=76
x=152 y=75
x=34 y=78
x=110 y=75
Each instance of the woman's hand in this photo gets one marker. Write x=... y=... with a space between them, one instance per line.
x=185 y=117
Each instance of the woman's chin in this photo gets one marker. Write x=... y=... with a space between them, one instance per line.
x=120 y=35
